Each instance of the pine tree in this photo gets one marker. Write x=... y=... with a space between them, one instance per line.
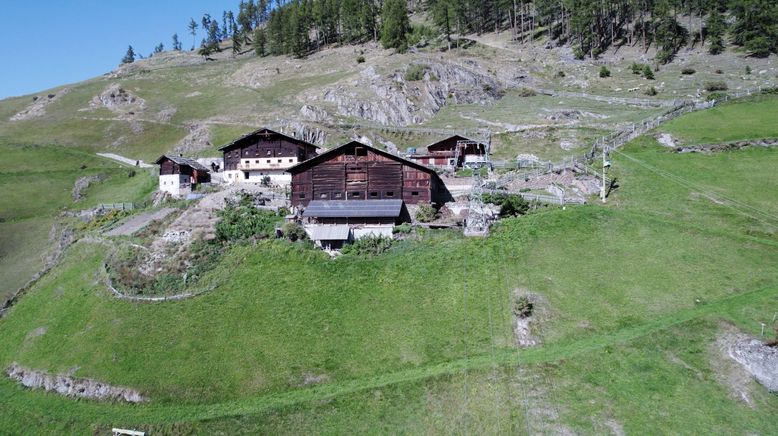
x=159 y=49
x=176 y=43
x=395 y=25
x=716 y=30
x=193 y=31
x=237 y=42
x=260 y=42
x=129 y=57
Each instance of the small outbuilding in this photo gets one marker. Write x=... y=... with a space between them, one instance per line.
x=179 y=175
x=453 y=152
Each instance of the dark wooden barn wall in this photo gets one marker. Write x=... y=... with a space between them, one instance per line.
x=265 y=148
x=362 y=177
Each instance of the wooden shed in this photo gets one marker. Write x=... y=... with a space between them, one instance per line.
x=356 y=171
x=453 y=152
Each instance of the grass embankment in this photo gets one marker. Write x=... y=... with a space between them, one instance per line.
x=613 y=278
x=37 y=184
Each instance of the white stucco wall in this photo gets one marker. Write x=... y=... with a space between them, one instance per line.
x=276 y=177
x=178 y=185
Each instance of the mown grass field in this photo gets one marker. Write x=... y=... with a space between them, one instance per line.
x=420 y=339
x=37 y=184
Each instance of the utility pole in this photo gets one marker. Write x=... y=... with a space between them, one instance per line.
x=605 y=164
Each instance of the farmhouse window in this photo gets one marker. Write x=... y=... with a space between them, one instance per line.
x=280 y=160
x=302 y=195
x=373 y=195
x=355 y=194
x=390 y=194
x=415 y=193
x=268 y=161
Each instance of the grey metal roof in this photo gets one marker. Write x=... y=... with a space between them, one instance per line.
x=353 y=209
x=185 y=161
x=330 y=233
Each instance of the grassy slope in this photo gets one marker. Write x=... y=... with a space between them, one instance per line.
x=37 y=182
x=361 y=319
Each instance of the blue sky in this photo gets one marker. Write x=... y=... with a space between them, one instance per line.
x=54 y=42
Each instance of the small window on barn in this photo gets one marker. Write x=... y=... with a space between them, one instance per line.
x=361 y=151
x=415 y=193
x=323 y=196
x=256 y=161
x=338 y=195
x=373 y=195
x=390 y=194
x=302 y=195
x=280 y=160
x=355 y=194
x=268 y=161
x=291 y=160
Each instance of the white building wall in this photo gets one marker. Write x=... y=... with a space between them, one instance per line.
x=178 y=185
x=375 y=230
x=255 y=176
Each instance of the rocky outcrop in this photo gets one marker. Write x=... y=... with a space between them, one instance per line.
x=38 y=106
x=302 y=131
x=118 y=100
x=760 y=360
x=72 y=387
x=313 y=113
x=81 y=184
x=197 y=139
x=391 y=100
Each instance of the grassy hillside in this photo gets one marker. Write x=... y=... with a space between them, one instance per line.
x=389 y=338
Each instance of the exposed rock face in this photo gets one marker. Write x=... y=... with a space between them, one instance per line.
x=118 y=100
x=38 y=106
x=759 y=360
x=391 y=100
x=83 y=183
x=306 y=133
x=72 y=387
x=313 y=113
x=198 y=138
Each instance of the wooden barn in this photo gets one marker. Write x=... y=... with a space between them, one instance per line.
x=264 y=156
x=356 y=171
x=178 y=175
x=453 y=152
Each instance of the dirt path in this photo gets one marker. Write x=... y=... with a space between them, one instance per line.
x=125 y=160
x=138 y=222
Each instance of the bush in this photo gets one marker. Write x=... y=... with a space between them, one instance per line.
x=131 y=174
x=370 y=245
x=294 y=232
x=748 y=70
x=527 y=92
x=420 y=35
x=759 y=47
x=719 y=71
x=510 y=204
x=360 y=59
x=651 y=91
x=426 y=213
x=716 y=86
x=718 y=96
x=560 y=74
x=402 y=229
x=522 y=307
x=604 y=72
x=637 y=68
x=241 y=220
x=648 y=73
x=688 y=71
x=415 y=72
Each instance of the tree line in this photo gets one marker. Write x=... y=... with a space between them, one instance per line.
x=299 y=27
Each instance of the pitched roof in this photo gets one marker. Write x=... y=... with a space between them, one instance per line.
x=456 y=137
x=330 y=232
x=323 y=156
x=353 y=209
x=182 y=161
x=267 y=132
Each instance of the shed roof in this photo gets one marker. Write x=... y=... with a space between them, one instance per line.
x=182 y=161
x=330 y=232
x=353 y=209
x=267 y=132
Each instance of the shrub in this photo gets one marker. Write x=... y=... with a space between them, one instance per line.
x=522 y=307
x=241 y=220
x=759 y=47
x=527 y=92
x=718 y=71
x=651 y=91
x=718 y=96
x=637 y=68
x=131 y=174
x=688 y=71
x=560 y=74
x=748 y=70
x=604 y=72
x=426 y=213
x=510 y=204
x=648 y=73
x=294 y=232
x=716 y=86
x=370 y=245
x=402 y=229
x=360 y=59
x=415 y=72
